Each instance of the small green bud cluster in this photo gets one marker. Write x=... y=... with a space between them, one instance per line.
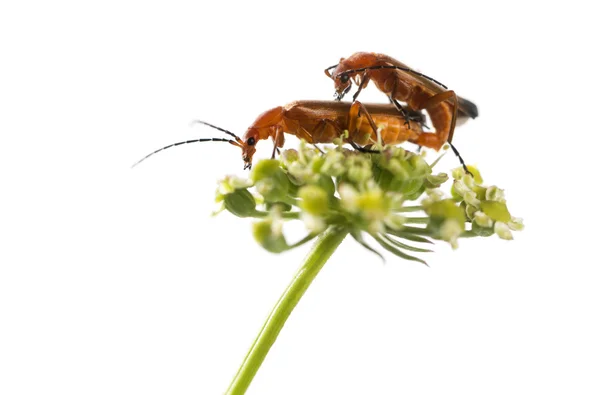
x=484 y=207
x=376 y=194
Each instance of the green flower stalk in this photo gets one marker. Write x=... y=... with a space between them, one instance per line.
x=394 y=197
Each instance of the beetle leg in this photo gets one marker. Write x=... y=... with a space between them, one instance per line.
x=356 y=111
x=401 y=110
x=277 y=141
x=363 y=83
x=399 y=107
x=340 y=132
x=441 y=135
x=438 y=111
x=460 y=159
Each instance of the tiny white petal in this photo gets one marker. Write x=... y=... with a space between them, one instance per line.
x=495 y=193
x=450 y=231
x=502 y=230
x=313 y=223
x=349 y=197
x=516 y=223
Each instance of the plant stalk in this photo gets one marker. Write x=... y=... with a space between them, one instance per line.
x=325 y=245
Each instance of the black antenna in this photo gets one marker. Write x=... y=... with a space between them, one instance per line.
x=327 y=73
x=185 y=142
x=220 y=129
x=391 y=67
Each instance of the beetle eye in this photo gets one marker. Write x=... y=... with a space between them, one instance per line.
x=251 y=141
x=344 y=78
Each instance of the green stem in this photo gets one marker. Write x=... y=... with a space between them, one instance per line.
x=325 y=245
x=284 y=214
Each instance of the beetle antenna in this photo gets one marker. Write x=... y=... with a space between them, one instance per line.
x=185 y=142
x=239 y=140
x=327 y=73
x=392 y=67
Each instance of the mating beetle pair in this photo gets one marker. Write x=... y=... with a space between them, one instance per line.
x=323 y=121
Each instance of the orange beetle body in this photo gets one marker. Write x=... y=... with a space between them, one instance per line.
x=324 y=121
x=321 y=122
x=401 y=83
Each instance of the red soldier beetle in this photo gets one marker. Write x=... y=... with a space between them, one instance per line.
x=401 y=83
x=322 y=122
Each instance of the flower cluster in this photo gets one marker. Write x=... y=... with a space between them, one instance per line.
x=393 y=196
x=485 y=207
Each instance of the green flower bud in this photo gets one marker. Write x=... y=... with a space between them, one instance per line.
x=240 y=203
x=268 y=234
x=412 y=188
x=272 y=190
x=459 y=189
x=300 y=174
x=358 y=168
x=496 y=210
x=398 y=168
x=458 y=173
x=447 y=220
x=476 y=174
x=288 y=157
x=271 y=181
x=420 y=166
x=434 y=181
x=495 y=193
x=479 y=192
x=384 y=178
x=305 y=153
x=333 y=164
x=469 y=210
x=471 y=199
x=399 y=152
x=266 y=168
x=314 y=200
x=446 y=208
x=483 y=220
x=316 y=164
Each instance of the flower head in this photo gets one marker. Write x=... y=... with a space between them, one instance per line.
x=393 y=196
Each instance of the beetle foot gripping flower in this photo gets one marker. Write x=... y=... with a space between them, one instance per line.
x=393 y=196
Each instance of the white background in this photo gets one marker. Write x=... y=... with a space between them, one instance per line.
x=119 y=281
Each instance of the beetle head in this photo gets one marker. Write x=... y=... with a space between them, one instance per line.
x=341 y=79
x=248 y=146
